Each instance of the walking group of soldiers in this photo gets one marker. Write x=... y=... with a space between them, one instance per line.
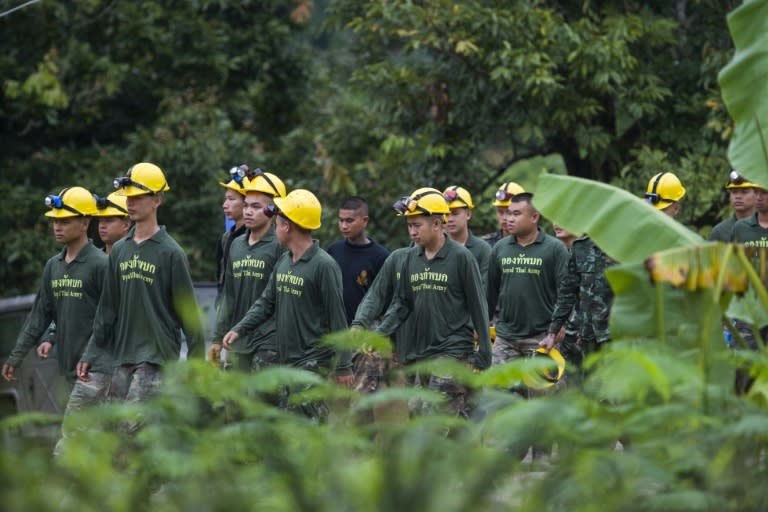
x=115 y=317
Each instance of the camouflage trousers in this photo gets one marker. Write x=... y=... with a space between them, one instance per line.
x=508 y=350
x=251 y=361
x=744 y=380
x=135 y=383
x=315 y=410
x=457 y=395
x=371 y=371
x=83 y=395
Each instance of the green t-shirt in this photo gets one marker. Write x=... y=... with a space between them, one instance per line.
x=481 y=250
x=378 y=298
x=148 y=295
x=247 y=273
x=723 y=231
x=68 y=295
x=523 y=281
x=442 y=298
x=306 y=300
x=750 y=233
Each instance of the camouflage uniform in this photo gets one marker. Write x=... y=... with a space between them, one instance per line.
x=585 y=290
x=492 y=238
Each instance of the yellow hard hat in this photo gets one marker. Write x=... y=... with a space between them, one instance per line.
x=71 y=202
x=143 y=178
x=736 y=180
x=113 y=205
x=300 y=207
x=266 y=183
x=546 y=378
x=506 y=192
x=458 y=197
x=423 y=201
x=664 y=189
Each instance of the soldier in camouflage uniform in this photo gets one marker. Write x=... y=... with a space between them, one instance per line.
x=585 y=288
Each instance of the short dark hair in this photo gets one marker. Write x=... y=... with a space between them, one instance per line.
x=356 y=203
x=525 y=197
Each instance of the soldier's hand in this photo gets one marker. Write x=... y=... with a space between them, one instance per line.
x=44 y=349
x=8 y=371
x=345 y=380
x=214 y=355
x=83 y=371
x=229 y=338
x=548 y=342
x=560 y=335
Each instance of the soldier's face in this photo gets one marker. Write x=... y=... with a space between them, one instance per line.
x=742 y=199
x=142 y=207
x=521 y=218
x=352 y=223
x=253 y=210
x=112 y=229
x=458 y=221
x=69 y=229
x=424 y=230
x=233 y=205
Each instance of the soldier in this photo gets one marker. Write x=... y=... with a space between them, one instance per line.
x=525 y=271
x=114 y=222
x=564 y=236
x=585 y=288
x=505 y=192
x=147 y=295
x=441 y=289
x=252 y=256
x=664 y=193
x=457 y=227
x=359 y=257
x=304 y=293
x=752 y=232
x=742 y=194
x=233 y=205
x=70 y=287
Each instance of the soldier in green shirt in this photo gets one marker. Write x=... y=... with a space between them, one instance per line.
x=457 y=227
x=441 y=290
x=752 y=232
x=114 y=222
x=70 y=287
x=147 y=297
x=304 y=293
x=233 y=207
x=742 y=194
x=525 y=271
x=252 y=256
x=501 y=201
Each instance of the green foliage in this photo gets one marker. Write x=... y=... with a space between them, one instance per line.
x=745 y=85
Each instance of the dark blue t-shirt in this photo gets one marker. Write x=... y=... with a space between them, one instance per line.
x=359 y=266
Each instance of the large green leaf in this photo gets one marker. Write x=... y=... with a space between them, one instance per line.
x=744 y=83
x=625 y=227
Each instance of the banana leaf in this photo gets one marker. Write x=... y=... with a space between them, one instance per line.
x=627 y=228
x=744 y=82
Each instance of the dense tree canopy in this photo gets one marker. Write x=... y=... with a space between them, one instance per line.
x=345 y=97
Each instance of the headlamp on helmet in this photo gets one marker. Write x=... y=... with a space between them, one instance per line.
x=736 y=180
x=53 y=201
x=270 y=210
x=404 y=205
x=104 y=203
x=126 y=181
x=239 y=172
